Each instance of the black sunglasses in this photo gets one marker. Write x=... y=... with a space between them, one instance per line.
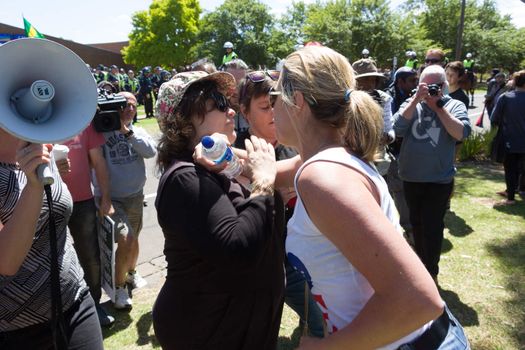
x=432 y=60
x=221 y=102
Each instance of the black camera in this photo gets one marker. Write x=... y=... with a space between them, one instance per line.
x=433 y=89
x=107 y=117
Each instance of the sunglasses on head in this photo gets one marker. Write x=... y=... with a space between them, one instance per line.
x=432 y=60
x=260 y=75
x=221 y=102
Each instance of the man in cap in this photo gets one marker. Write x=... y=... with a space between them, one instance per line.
x=405 y=81
x=145 y=91
x=114 y=77
x=368 y=79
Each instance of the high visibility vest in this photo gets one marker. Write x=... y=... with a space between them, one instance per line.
x=411 y=63
x=130 y=85
x=229 y=57
x=468 y=64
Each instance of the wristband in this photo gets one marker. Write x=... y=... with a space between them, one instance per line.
x=129 y=134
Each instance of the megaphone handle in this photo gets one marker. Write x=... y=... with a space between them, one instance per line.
x=45 y=174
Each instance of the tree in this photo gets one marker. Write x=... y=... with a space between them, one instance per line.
x=165 y=34
x=350 y=26
x=245 y=23
x=288 y=32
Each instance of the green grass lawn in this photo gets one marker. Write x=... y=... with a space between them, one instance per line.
x=482 y=272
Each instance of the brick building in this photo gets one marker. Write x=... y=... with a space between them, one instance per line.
x=93 y=54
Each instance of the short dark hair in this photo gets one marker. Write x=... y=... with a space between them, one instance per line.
x=519 y=78
x=249 y=90
x=456 y=66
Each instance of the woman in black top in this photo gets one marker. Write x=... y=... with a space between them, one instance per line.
x=455 y=74
x=224 y=287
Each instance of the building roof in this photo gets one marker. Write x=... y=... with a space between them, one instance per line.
x=93 y=55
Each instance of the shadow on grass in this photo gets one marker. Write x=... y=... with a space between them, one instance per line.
x=483 y=170
x=511 y=254
x=466 y=315
x=143 y=327
x=122 y=320
x=517 y=209
x=446 y=246
x=457 y=226
x=285 y=343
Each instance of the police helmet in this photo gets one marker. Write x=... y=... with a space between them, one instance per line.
x=365 y=52
x=146 y=70
x=228 y=45
x=469 y=55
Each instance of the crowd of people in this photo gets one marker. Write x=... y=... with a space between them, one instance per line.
x=339 y=211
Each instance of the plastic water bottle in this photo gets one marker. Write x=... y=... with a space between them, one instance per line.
x=218 y=151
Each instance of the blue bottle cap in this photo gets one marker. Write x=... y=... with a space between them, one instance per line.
x=207 y=142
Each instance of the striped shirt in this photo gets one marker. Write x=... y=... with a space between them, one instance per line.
x=25 y=298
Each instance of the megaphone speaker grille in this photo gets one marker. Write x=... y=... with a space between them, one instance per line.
x=56 y=92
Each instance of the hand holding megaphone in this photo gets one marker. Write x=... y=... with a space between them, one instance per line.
x=34 y=158
x=47 y=95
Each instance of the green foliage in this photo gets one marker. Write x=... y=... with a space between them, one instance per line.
x=165 y=34
x=170 y=33
x=476 y=146
x=245 y=23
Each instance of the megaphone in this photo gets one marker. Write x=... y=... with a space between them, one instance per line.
x=47 y=94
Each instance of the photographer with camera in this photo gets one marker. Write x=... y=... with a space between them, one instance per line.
x=124 y=151
x=430 y=123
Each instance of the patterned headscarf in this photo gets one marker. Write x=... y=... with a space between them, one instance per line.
x=172 y=91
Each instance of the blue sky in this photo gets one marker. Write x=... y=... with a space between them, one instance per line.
x=98 y=21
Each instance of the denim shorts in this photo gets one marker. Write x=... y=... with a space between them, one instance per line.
x=455 y=338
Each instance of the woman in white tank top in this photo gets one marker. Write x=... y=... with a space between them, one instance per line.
x=344 y=235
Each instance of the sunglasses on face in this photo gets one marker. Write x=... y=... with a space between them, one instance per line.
x=221 y=102
x=260 y=75
x=432 y=60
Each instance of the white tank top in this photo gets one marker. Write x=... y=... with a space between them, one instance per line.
x=337 y=287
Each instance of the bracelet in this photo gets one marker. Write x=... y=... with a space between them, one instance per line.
x=258 y=188
x=129 y=134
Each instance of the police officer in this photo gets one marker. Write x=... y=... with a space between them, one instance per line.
x=114 y=77
x=229 y=55
x=130 y=83
x=411 y=61
x=468 y=63
x=101 y=74
x=156 y=80
x=145 y=91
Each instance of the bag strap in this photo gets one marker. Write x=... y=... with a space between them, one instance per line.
x=175 y=165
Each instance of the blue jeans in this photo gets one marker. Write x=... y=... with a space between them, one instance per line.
x=83 y=227
x=454 y=340
x=294 y=297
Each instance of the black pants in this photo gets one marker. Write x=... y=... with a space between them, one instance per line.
x=148 y=104
x=513 y=165
x=81 y=325
x=427 y=204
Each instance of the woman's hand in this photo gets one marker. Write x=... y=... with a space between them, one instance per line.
x=30 y=156
x=198 y=158
x=262 y=165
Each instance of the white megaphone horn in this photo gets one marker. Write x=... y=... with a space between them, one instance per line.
x=47 y=94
